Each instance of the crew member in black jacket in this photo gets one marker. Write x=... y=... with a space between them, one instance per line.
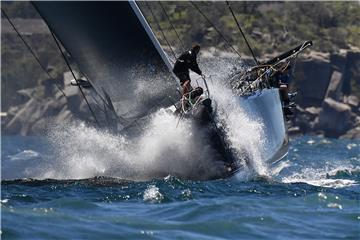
x=187 y=61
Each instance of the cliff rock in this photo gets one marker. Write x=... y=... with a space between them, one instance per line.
x=334 y=118
x=335 y=86
x=314 y=72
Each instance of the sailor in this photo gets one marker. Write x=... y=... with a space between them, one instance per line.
x=282 y=78
x=187 y=61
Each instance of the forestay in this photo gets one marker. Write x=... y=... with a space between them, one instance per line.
x=116 y=51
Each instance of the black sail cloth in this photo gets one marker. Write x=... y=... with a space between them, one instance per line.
x=118 y=55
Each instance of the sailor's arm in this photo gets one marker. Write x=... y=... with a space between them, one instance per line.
x=195 y=67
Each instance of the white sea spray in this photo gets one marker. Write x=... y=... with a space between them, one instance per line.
x=152 y=194
x=164 y=147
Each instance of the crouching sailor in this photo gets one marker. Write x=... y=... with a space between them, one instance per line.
x=282 y=79
x=184 y=63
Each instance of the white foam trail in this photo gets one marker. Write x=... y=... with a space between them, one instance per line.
x=320 y=176
x=24 y=155
x=331 y=183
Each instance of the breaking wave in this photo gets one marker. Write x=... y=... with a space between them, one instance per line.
x=329 y=163
x=336 y=177
x=27 y=154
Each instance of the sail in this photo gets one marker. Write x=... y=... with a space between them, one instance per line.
x=116 y=51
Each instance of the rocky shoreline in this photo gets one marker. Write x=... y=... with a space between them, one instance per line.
x=325 y=105
x=44 y=106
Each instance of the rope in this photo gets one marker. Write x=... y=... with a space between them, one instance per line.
x=188 y=99
x=293 y=56
x=242 y=33
x=162 y=32
x=172 y=26
x=216 y=29
x=77 y=82
x=31 y=51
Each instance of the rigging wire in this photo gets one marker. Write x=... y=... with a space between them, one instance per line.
x=101 y=97
x=172 y=26
x=162 y=32
x=73 y=74
x=272 y=66
x=216 y=29
x=31 y=51
x=242 y=33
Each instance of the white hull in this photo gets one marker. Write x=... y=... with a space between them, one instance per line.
x=266 y=106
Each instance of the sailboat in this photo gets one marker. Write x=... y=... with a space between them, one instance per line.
x=123 y=62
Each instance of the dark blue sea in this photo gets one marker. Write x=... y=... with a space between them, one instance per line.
x=313 y=194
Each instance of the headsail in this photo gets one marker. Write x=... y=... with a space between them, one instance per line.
x=116 y=51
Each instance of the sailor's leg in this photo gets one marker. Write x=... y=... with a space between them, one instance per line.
x=284 y=94
x=186 y=87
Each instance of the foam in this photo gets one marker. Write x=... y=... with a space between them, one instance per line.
x=322 y=176
x=24 y=155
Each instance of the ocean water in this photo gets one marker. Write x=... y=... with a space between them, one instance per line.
x=313 y=194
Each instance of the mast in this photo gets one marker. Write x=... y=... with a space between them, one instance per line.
x=150 y=33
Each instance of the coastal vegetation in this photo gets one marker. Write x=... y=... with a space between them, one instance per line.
x=269 y=26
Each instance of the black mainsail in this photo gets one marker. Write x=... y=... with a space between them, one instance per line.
x=115 y=50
